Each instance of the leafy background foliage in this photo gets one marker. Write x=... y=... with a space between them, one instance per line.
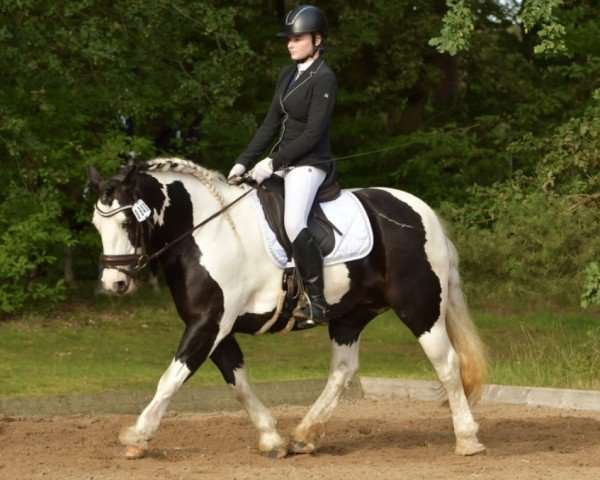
x=515 y=82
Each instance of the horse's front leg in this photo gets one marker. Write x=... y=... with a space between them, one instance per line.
x=229 y=359
x=344 y=364
x=196 y=343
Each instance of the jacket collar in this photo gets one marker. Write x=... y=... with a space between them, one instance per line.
x=303 y=78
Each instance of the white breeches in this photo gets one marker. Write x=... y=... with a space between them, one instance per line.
x=301 y=185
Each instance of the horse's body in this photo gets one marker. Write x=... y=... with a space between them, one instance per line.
x=223 y=283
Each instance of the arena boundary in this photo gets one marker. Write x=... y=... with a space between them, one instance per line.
x=303 y=392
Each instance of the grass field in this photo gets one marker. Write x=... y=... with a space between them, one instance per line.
x=120 y=344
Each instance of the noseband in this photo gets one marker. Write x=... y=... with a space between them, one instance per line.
x=136 y=260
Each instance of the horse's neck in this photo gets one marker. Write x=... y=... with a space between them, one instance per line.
x=235 y=233
x=214 y=197
x=203 y=193
x=209 y=196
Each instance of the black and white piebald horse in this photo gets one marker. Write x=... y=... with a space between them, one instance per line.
x=223 y=283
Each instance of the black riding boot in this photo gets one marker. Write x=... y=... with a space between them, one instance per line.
x=309 y=261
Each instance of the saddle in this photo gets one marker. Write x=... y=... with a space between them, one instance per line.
x=271 y=196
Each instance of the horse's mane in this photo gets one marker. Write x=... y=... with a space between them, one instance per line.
x=207 y=177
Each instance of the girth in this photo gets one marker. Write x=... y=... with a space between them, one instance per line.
x=271 y=196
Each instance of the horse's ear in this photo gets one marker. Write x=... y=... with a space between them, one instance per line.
x=131 y=173
x=93 y=176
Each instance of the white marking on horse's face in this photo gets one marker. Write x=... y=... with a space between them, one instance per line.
x=115 y=241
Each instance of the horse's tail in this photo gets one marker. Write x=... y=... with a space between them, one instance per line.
x=463 y=334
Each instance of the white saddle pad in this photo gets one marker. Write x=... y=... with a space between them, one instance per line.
x=346 y=213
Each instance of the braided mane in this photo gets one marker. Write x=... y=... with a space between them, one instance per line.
x=206 y=176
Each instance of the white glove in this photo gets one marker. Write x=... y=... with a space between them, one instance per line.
x=262 y=170
x=237 y=171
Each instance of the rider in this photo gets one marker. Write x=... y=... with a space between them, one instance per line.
x=299 y=118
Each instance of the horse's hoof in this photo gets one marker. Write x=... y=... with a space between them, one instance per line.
x=132 y=452
x=299 y=446
x=470 y=446
x=277 y=453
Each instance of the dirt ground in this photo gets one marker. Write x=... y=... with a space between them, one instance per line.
x=367 y=439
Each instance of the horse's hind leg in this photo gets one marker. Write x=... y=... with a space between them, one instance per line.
x=446 y=362
x=345 y=337
x=229 y=359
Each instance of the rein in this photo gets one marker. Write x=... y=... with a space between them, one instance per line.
x=393 y=147
x=142 y=260
x=149 y=258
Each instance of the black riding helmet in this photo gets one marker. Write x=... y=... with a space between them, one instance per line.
x=304 y=19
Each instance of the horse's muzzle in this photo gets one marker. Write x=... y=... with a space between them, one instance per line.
x=120 y=287
x=119 y=276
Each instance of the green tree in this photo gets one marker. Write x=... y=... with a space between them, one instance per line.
x=409 y=72
x=75 y=66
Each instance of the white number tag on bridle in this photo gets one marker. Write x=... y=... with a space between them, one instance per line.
x=140 y=210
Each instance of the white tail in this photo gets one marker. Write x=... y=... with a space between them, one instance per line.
x=463 y=334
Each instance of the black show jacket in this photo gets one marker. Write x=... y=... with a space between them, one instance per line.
x=299 y=118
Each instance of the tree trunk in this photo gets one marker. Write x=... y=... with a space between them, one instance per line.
x=69 y=275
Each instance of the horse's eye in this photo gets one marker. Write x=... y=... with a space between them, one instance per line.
x=127 y=224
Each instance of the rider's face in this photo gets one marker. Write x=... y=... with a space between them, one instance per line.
x=301 y=46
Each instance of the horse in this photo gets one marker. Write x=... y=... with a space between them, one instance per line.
x=223 y=283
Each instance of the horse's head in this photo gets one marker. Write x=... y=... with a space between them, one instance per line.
x=118 y=216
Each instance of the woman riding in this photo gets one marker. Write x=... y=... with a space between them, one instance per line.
x=299 y=117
